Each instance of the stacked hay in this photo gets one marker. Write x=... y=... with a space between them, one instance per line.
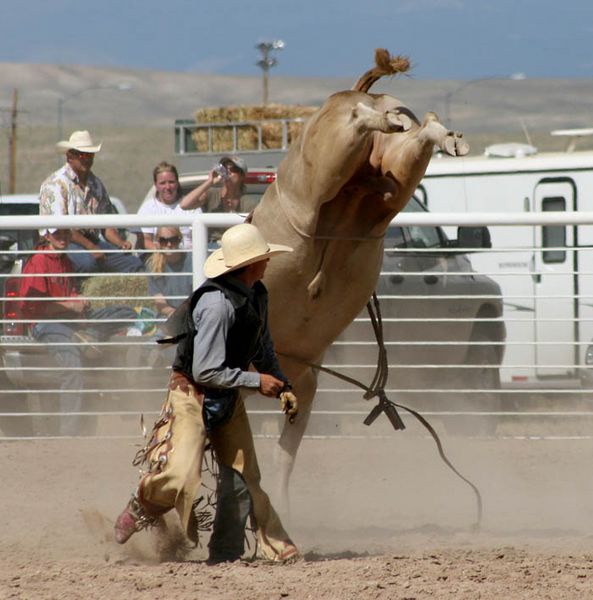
x=247 y=135
x=123 y=286
x=117 y=286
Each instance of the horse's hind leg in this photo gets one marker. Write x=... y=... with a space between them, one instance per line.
x=336 y=143
x=448 y=141
x=367 y=118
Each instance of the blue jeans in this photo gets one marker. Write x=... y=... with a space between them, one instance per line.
x=233 y=502
x=69 y=379
x=119 y=262
x=233 y=506
x=69 y=358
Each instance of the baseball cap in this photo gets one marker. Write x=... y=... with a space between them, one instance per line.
x=235 y=160
x=47 y=230
x=52 y=230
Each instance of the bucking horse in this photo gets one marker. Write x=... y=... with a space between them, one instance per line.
x=354 y=166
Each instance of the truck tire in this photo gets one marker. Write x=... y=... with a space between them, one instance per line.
x=487 y=378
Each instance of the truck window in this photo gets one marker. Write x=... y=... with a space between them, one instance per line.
x=421 y=237
x=24 y=238
x=554 y=236
x=394 y=238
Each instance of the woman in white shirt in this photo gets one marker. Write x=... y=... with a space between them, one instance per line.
x=168 y=200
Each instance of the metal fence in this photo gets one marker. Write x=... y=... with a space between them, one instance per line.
x=489 y=341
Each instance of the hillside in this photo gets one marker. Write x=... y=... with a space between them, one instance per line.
x=136 y=125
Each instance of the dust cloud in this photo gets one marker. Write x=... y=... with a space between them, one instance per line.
x=376 y=490
x=377 y=493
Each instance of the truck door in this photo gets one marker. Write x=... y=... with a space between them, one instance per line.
x=419 y=284
x=554 y=283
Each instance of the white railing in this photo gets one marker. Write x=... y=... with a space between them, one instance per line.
x=544 y=369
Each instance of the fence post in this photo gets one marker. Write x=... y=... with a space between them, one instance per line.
x=199 y=251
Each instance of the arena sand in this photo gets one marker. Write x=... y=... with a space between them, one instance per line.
x=374 y=518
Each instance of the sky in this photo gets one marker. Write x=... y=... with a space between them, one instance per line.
x=445 y=39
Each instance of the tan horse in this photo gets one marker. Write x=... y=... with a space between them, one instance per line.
x=354 y=167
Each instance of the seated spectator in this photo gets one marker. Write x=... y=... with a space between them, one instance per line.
x=48 y=278
x=172 y=265
x=75 y=190
x=168 y=200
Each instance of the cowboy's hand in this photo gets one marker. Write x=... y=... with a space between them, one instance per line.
x=270 y=386
x=289 y=405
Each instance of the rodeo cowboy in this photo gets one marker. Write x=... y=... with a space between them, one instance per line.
x=221 y=330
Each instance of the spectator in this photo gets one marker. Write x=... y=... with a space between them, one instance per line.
x=228 y=197
x=176 y=267
x=231 y=170
x=48 y=277
x=75 y=190
x=168 y=200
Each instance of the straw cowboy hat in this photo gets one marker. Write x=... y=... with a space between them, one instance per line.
x=81 y=141
x=241 y=245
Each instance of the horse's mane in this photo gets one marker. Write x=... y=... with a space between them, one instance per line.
x=385 y=64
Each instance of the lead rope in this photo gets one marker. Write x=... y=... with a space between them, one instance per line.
x=384 y=405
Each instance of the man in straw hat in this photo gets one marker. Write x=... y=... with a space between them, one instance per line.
x=221 y=330
x=75 y=190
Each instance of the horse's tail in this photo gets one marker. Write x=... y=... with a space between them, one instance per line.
x=385 y=64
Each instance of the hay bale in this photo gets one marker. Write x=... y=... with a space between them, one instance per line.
x=247 y=135
x=117 y=285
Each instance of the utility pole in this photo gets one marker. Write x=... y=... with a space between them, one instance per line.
x=266 y=62
x=12 y=144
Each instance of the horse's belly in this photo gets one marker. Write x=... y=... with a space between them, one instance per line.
x=308 y=326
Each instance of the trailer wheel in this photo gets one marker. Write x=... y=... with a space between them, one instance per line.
x=488 y=400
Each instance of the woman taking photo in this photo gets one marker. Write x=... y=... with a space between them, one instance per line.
x=231 y=170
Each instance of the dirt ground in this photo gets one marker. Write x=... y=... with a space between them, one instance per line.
x=374 y=518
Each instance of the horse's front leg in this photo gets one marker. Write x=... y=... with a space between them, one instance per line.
x=292 y=434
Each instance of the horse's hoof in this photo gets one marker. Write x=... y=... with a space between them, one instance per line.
x=461 y=146
x=455 y=145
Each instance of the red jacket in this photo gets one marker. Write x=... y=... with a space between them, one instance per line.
x=55 y=285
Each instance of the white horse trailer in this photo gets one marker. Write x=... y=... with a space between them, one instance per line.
x=544 y=271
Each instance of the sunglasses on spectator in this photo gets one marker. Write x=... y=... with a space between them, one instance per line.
x=174 y=240
x=233 y=168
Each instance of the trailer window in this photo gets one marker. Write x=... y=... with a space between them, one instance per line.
x=554 y=236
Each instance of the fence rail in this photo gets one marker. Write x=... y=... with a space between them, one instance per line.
x=452 y=332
